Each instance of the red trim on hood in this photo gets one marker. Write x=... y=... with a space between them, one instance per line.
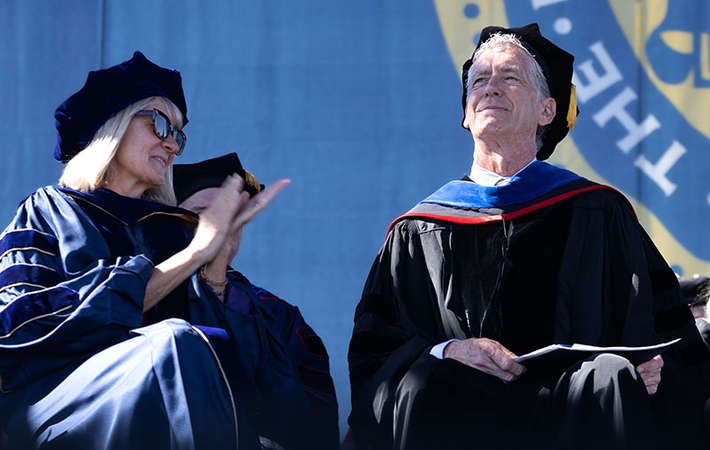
x=510 y=215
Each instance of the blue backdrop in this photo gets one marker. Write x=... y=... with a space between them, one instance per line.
x=358 y=102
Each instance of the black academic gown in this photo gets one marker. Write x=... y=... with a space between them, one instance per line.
x=548 y=258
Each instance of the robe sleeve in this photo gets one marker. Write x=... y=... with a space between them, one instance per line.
x=62 y=295
x=614 y=286
x=283 y=379
x=395 y=325
x=314 y=420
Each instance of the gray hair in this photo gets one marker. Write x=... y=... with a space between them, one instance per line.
x=87 y=171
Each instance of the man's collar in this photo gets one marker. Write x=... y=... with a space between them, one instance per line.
x=533 y=181
x=485 y=177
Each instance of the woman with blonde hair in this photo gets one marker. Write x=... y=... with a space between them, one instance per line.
x=80 y=366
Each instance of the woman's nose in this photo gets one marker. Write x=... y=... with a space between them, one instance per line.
x=170 y=145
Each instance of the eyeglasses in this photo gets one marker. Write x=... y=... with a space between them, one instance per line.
x=163 y=128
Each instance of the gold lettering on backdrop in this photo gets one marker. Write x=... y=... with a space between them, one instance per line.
x=705 y=56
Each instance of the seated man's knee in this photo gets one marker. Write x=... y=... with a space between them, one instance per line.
x=609 y=364
x=606 y=371
x=611 y=360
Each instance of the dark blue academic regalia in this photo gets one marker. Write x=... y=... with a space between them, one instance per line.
x=81 y=365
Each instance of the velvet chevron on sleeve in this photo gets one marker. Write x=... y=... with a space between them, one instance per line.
x=76 y=367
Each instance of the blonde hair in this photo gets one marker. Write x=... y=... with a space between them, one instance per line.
x=88 y=169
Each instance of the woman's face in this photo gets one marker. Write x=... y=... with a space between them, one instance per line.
x=142 y=158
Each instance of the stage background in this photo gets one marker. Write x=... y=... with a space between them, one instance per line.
x=358 y=102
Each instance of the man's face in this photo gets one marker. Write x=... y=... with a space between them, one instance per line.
x=200 y=200
x=503 y=102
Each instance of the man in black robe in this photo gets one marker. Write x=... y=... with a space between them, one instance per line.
x=516 y=256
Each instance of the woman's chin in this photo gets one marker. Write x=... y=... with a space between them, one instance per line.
x=159 y=175
x=153 y=183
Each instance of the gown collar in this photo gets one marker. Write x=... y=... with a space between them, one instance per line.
x=127 y=209
x=535 y=180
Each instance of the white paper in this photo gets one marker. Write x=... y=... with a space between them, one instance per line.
x=592 y=349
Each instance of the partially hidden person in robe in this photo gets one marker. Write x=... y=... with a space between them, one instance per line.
x=695 y=292
x=80 y=364
x=518 y=255
x=288 y=395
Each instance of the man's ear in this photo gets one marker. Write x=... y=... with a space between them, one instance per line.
x=549 y=108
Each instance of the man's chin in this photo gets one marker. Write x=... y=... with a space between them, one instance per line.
x=489 y=128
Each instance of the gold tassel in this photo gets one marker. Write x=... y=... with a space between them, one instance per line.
x=251 y=181
x=572 y=110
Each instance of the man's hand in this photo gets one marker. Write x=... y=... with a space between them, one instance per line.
x=486 y=355
x=650 y=372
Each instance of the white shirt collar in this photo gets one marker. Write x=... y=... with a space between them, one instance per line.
x=485 y=177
